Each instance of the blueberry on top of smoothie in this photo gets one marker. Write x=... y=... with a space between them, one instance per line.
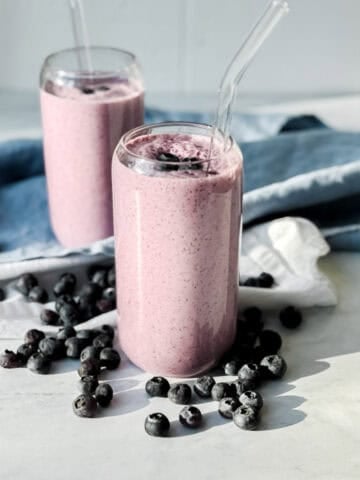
x=103 y=88
x=87 y=91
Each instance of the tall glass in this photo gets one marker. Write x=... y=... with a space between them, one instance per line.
x=84 y=114
x=177 y=220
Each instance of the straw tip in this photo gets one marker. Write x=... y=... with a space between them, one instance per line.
x=283 y=4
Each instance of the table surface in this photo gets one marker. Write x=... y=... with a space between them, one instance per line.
x=310 y=424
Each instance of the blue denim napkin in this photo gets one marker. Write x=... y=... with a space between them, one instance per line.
x=307 y=170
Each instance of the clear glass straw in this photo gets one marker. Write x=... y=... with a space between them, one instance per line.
x=81 y=36
x=240 y=63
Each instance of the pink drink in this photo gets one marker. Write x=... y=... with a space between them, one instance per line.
x=83 y=119
x=177 y=242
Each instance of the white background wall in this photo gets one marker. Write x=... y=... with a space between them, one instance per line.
x=184 y=45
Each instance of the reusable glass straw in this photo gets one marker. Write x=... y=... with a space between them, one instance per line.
x=240 y=63
x=81 y=36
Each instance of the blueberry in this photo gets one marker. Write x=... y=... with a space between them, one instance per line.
x=227 y=406
x=270 y=341
x=157 y=425
x=87 y=91
x=70 y=314
x=74 y=347
x=105 y=305
x=65 y=333
x=103 y=340
x=84 y=406
x=251 y=399
x=221 y=390
x=274 y=366
x=290 y=317
x=10 y=359
x=89 y=353
x=86 y=335
x=249 y=375
x=109 y=358
x=104 y=394
x=88 y=310
x=91 y=366
x=88 y=384
x=100 y=277
x=39 y=363
x=52 y=348
x=180 y=393
x=203 y=386
x=62 y=287
x=103 y=88
x=237 y=388
x=64 y=300
x=231 y=367
x=91 y=292
x=111 y=277
x=252 y=320
x=246 y=418
x=33 y=336
x=38 y=294
x=265 y=280
x=109 y=294
x=157 y=387
x=25 y=283
x=252 y=314
x=2 y=295
x=107 y=330
x=49 y=317
x=26 y=350
x=251 y=282
x=190 y=417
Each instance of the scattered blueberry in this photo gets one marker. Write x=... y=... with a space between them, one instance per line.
x=88 y=311
x=52 y=348
x=221 y=390
x=2 y=295
x=85 y=406
x=38 y=294
x=86 y=335
x=33 y=336
x=157 y=387
x=100 y=277
x=74 y=346
x=251 y=399
x=107 y=330
x=64 y=300
x=237 y=388
x=65 y=333
x=104 y=394
x=88 y=91
x=109 y=294
x=109 y=358
x=231 y=367
x=227 y=406
x=251 y=282
x=89 y=353
x=270 y=341
x=39 y=363
x=103 y=88
x=246 y=418
x=265 y=280
x=105 y=305
x=26 y=350
x=49 y=317
x=91 y=291
x=290 y=317
x=203 y=386
x=180 y=393
x=190 y=417
x=10 y=359
x=103 y=340
x=249 y=375
x=70 y=314
x=274 y=366
x=157 y=425
x=91 y=366
x=111 y=277
x=25 y=283
x=88 y=384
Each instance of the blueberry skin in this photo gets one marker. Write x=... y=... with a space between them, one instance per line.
x=2 y=295
x=190 y=417
x=290 y=317
x=246 y=418
x=64 y=300
x=252 y=399
x=74 y=347
x=157 y=425
x=111 y=277
x=84 y=406
x=88 y=311
x=231 y=367
x=10 y=359
x=107 y=330
x=100 y=277
x=86 y=335
x=38 y=294
x=49 y=317
x=274 y=366
x=270 y=341
x=65 y=285
x=180 y=393
x=109 y=358
x=105 y=305
x=65 y=333
x=109 y=294
x=252 y=314
x=104 y=394
x=221 y=390
x=251 y=282
x=52 y=348
x=227 y=406
x=203 y=386
x=70 y=314
x=91 y=291
x=89 y=367
x=87 y=385
x=39 y=363
x=25 y=283
x=237 y=388
x=26 y=350
x=157 y=387
x=265 y=280
x=89 y=353
x=33 y=336
x=249 y=374
x=103 y=340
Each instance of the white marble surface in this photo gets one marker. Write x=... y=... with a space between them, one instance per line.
x=310 y=427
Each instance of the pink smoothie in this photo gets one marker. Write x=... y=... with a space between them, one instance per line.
x=177 y=242
x=81 y=129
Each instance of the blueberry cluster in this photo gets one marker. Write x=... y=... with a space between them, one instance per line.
x=264 y=280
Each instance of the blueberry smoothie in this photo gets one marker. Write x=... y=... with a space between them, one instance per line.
x=177 y=220
x=83 y=119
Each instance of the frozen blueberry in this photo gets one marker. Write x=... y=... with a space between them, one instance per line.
x=74 y=347
x=39 y=363
x=25 y=283
x=70 y=314
x=180 y=393
x=26 y=350
x=231 y=367
x=270 y=341
x=249 y=375
x=252 y=399
x=190 y=417
x=274 y=366
x=33 y=336
x=52 y=348
x=100 y=277
x=203 y=386
x=10 y=359
x=290 y=317
x=91 y=366
x=64 y=300
x=87 y=91
x=109 y=294
x=111 y=277
x=38 y=294
x=89 y=353
x=107 y=330
x=49 y=317
x=85 y=406
x=103 y=340
x=157 y=425
x=157 y=387
x=2 y=295
x=246 y=418
x=265 y=280
x=65 y=333
x=105 y=305
x=221 y=390
x=104 y=394
x=88 y=384
x=109 y=358
x=227 y=406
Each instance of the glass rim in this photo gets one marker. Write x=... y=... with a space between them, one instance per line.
x=70 y=73
x=134 y=131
